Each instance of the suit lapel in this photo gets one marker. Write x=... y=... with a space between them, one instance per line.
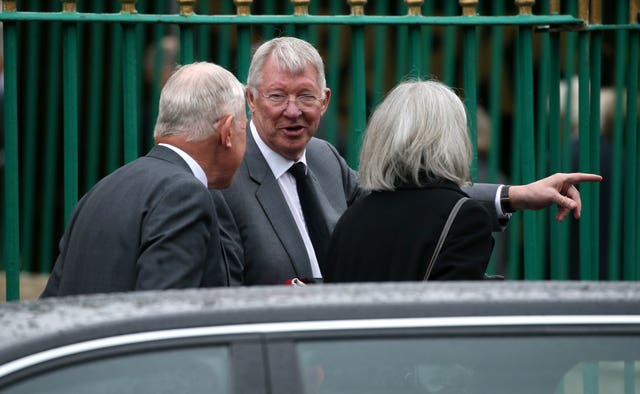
x=272 y=201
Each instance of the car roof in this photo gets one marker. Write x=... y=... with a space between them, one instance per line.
x=94 y=316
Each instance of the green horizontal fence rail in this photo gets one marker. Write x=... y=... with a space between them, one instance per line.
x=83 y=78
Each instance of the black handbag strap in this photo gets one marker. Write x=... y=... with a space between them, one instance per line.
x=443 y=235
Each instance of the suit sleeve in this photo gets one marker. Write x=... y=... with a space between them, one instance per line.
x=175 y=239
x=467 y=249
x=485 y=194
x=53 y=282
x=230 y=238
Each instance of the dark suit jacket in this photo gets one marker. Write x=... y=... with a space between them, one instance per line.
x=263 y=244
x=149 y=225
x=391 y=236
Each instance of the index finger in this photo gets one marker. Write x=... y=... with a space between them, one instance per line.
x=578 y=177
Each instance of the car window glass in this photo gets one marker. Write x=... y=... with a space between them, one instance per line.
x=190 y=370
x=602 y=377
x=464 y=365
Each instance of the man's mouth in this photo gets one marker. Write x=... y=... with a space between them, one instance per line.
x=293 y=129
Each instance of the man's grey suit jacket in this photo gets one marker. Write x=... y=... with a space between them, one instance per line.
x=151 y=224
x=260 y=235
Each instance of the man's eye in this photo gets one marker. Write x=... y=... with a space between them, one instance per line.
x=307 y=98
x=276 y=97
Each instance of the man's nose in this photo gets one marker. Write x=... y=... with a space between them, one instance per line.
x=292 y=109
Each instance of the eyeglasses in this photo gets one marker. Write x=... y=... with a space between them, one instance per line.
x=303 y=101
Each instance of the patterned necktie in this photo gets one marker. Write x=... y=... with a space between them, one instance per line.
x=313 y=217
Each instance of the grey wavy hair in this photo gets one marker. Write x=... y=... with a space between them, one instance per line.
x=419 y=128
x=290 y=55
x=195 y=97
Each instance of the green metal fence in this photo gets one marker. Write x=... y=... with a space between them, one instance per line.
x=82 y=81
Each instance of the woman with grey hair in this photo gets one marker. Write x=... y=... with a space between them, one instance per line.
x=415 y=156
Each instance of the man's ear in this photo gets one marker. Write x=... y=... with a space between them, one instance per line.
x=250 y=99
x=327 y=98
x=224 y=130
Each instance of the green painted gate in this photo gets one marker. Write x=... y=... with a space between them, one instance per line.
x=82 y=81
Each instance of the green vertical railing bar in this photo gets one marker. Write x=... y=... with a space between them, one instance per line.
x=494 y=112
x=11 y=174
x=244 y=51
x=204 y=33
x=29 y=144
x=114 y=118
x=268 y=8
x=558 y=258
x=415 y=51
x=313 y=31
x=130 y=100
x=95 y=101
x=330 y=132
x=542 y=135
x=401 y=46
x=223 y=39
x=449 y=57
x=427 y=42
x=51 y=138
x=470 y=60
x=615 y=212
x=570 y=39
x=495 y=84
x=70 y=114
x=593 y=210
x=302 y=31
x=358 y=96
x=630 y=240
x=379 y=57
x=289 y=29
x=584 y=157
x=158 y=33
x=187 y=50
x=533 y=268
x=515 y=231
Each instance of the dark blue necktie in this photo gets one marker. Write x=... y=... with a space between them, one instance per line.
x=313 y=217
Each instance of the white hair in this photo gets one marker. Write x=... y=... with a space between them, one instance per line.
x=195 y=97
x=418 y=132
x=290 y=55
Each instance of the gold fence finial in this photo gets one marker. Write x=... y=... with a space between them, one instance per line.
x=186 y=6
x=300 y=7
x=68 y=5
x=128 y=7
x=243 y=7
x=414 y=6
x=357 y=6
x=596 y=12
x=583 y=10
x=525 y=7
x=9 y=6
x=469 y=7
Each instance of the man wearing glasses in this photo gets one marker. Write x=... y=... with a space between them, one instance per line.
x=273 y=235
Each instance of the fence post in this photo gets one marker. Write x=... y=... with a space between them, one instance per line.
x=70 y=113
x=11 y=179
x=358 y=88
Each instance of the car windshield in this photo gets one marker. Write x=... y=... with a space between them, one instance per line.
x=472 y=365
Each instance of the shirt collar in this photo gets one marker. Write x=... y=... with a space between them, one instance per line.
x=278 y=164
x=197 y=171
